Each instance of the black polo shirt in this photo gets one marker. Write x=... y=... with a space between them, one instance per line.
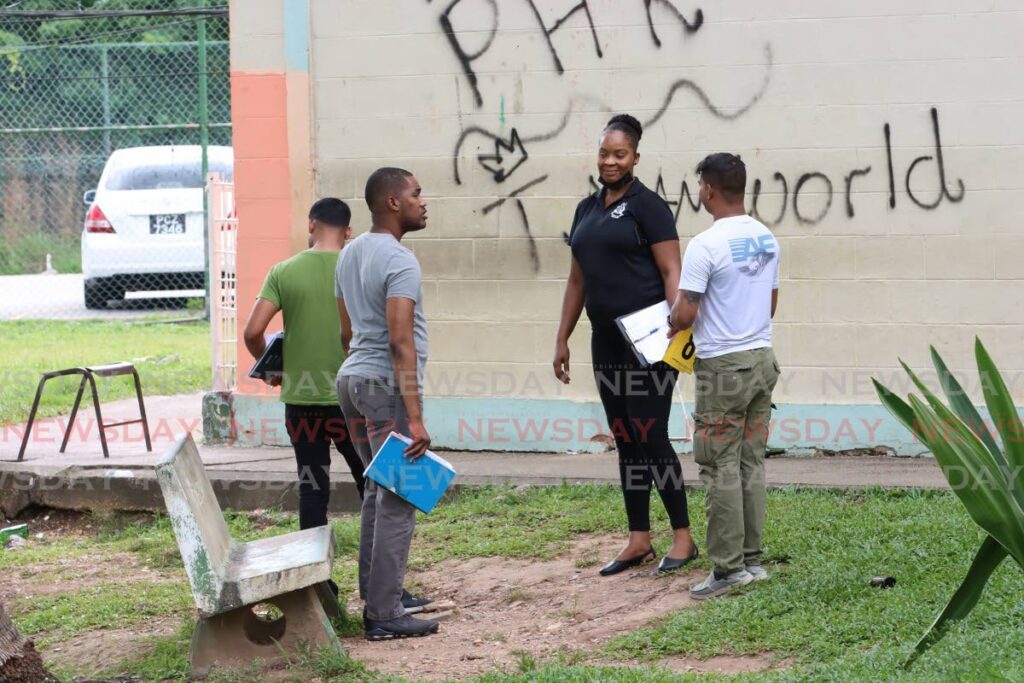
x=613 y=248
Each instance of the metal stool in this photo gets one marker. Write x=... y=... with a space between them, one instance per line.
x=89 y=374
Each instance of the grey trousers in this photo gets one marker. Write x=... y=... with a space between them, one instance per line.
x=373 y=408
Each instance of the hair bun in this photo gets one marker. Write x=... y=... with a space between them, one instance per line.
x=628 y=121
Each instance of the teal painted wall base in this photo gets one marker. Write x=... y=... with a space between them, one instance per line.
x=561 y=426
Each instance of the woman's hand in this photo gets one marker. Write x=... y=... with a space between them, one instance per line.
x=561 y=362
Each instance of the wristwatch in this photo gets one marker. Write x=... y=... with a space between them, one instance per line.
x=669 y=321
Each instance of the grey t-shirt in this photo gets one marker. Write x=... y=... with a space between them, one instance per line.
x=376 y=267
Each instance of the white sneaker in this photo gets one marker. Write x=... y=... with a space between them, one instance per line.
x=758 y=572
x=712 y=587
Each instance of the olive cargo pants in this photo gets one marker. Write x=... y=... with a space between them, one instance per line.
x=731 y=416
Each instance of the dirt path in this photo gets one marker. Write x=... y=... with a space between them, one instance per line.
x=509 y=612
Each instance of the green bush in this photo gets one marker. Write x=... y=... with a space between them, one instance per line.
x=26 y=254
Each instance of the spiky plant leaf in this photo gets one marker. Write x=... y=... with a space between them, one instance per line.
x=990 y=555
x=1003 y=412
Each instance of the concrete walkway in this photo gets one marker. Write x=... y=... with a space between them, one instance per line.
x=265 y=477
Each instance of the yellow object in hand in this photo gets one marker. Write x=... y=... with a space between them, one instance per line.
x=682 y=352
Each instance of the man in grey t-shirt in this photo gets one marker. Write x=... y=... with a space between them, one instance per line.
x=380 y=300
x=378 y=268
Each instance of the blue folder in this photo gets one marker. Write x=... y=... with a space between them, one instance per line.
x=421 y=482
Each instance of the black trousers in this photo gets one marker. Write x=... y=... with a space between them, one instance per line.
x=312 y=430
x=637 y=402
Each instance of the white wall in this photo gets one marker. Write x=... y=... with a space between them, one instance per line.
x=802 y=89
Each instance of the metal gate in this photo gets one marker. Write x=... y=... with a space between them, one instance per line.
x=223 y=275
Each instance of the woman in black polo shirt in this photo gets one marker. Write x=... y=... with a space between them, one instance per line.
x=625 y=256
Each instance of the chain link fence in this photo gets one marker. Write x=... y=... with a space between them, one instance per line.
x=88 y=220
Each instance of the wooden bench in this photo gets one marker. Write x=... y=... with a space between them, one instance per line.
x=228 y=578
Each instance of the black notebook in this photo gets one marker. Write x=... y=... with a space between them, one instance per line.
x=272 y=360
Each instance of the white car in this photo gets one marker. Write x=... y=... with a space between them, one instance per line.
x=144 y=228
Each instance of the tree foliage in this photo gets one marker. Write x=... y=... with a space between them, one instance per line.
x=74 y=90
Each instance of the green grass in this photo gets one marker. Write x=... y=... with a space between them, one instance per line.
x=152 y=540
x=167 y=660
x=327 y=665
x=819 y=609
x=531 y=522
x=817 y=617
x=106 y=605
x=170 y=358
x=818 y=612
x=27 y=254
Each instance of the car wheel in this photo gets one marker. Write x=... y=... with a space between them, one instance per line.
x=95 y=297
x=97 y=294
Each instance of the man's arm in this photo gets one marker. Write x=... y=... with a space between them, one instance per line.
x=775 y=301
x=256 y=326
x=400 y=312
x=693 y=282
x=346 y=326
x=684 y=310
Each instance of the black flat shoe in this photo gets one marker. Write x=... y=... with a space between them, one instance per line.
x=671 y=564
x=616 y=566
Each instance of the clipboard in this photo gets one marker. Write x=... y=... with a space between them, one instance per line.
x=646 y=331
x=272 y=360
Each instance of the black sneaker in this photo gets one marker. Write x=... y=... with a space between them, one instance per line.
x=412 y=604
x=402 y=627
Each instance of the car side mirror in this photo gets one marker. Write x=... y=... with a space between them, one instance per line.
x=89 y=197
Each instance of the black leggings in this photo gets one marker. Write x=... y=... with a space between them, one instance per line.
x=312 y=429
x=637 y=402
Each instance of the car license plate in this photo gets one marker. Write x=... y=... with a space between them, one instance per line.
x=167 y=224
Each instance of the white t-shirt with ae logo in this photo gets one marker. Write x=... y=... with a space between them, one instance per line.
x=735 y=265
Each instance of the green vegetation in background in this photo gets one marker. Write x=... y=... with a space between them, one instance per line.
x=170 y=358
x=27 y=254
x=52 y=77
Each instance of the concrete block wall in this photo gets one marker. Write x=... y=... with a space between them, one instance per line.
x=882 y=142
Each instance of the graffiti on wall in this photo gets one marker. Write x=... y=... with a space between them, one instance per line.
x=467 y=57
x=806 y=195
x=932 y=165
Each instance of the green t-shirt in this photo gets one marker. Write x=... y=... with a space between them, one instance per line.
x=303 y=288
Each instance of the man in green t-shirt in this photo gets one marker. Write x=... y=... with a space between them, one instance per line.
x=302 y=288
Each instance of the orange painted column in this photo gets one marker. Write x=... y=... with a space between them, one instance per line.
x=262 y=193
x=270 y=114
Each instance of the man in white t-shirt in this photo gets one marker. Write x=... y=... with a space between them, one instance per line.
x=728 y=293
